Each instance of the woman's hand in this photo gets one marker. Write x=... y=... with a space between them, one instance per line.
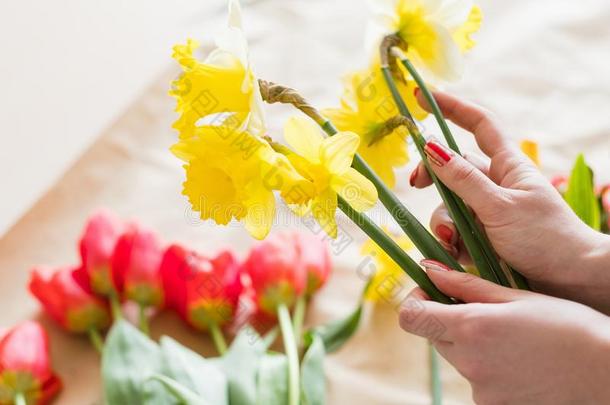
x=527 y=221
x=514 y=347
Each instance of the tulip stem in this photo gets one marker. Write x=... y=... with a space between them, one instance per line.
x=20 y=399
x=115 y=306
x=218 y=338
x=96 y=340
x=436 y=385
x=299 y=317
x=143 y=320
x=294 y=391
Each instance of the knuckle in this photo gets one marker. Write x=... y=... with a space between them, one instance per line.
x=464 y=173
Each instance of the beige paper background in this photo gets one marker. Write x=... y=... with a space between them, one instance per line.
x=541 y=66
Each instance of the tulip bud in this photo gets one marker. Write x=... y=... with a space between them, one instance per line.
x=96 y=250
x=203 y=291
x=315 y=258
x=560 y=183
x=276 y=271
x=25 y=367
x=67 y=302
x=136 y=265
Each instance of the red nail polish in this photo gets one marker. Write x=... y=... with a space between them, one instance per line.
x=445 y=233
x=438 y=153
x=416 y=91
x=413 y=177
x=430 y=264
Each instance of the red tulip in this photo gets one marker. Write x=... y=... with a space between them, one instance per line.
x=560 y=183
x=136 y=266
x=201 y=290
x=67 y=302
x=25 y=367
x=96 y=249
x=277 y=272
x=315 y=258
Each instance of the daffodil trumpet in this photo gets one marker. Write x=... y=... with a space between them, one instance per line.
x=421 y=237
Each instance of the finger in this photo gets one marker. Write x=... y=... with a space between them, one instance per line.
x=425 y=318
x=420 y=177
x=466 y=287
x=472 y=118
x=443 y=227
x=478 y=191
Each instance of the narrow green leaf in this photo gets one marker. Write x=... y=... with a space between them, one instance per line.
x=313 y=382
x=240 y=365
x=335 y=334
x=130 y=358
x=180 y=392
x=273 y=380
x=580 y=194
x=194 y=372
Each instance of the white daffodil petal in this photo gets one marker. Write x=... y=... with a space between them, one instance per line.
x=454 y=13
x=235 y=18
x=447 y=62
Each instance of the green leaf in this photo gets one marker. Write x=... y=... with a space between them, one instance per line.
x=313 y=382
x=180 y=392
x=273 y=379
x=194 y=372
x=335 y=334
x=580 y=194
x=240 y=365
x=130 y=358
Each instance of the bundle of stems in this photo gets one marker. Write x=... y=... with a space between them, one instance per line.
x=489 y=265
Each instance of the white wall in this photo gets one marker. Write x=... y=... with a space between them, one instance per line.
x=68 y=68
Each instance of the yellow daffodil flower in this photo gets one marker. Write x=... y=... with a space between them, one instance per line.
x=530 y=148
x=437 y=32
x=366 y=105
x=388 y=281
x=326 y=163
x=223 y=83
x=231 y=174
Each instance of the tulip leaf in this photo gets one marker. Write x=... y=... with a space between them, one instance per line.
x=240 y=365
x=130 y=359
x=580 y=194
x=335 y=334
x=273 y=379
x=194 y=372
x=313 y=382
x=184 y=395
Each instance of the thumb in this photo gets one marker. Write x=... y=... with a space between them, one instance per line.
x=466 y=287
x=473 y=186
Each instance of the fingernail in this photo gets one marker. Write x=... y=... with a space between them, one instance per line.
x=413 y=177
x=416 y=91
x=434 y=265
x=438 y=153
x=445 y=233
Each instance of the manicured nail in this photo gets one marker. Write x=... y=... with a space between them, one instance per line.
x=438 y=153
x=416 y=91
x=445 y=233
x=434 y=265
x=413 y=177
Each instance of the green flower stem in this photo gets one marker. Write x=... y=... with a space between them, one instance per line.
x=471 y=241
x=115 y=306
x=218 y=338
x=519 y=280
x=436 y=385
x=96 y=340
x=20 y=399
x=298 y=318
x=143 y=320
x=401 y=258
x=294 y=390
x=419 y=235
